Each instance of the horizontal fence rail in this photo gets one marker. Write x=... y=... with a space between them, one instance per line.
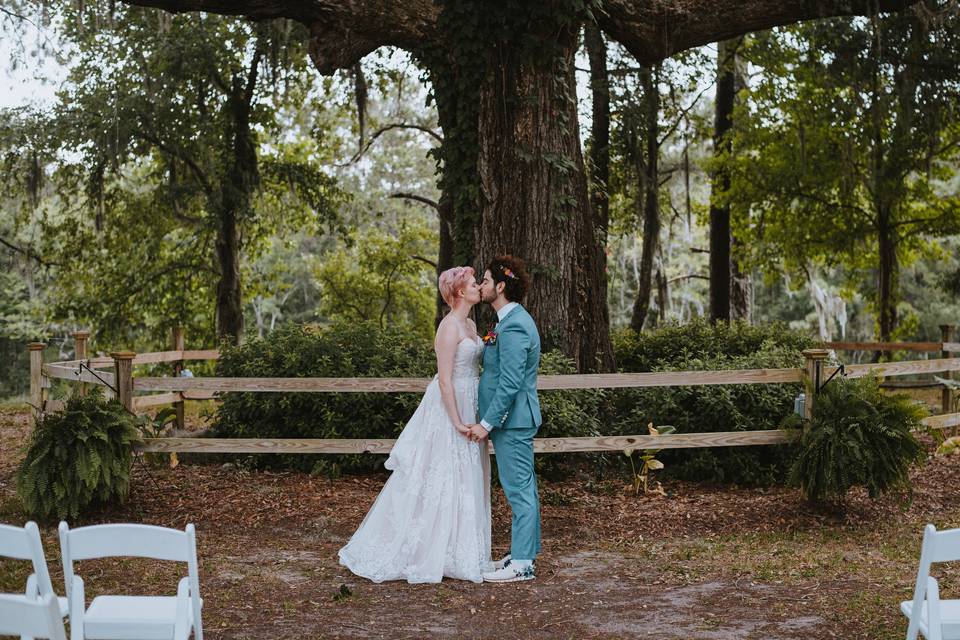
x=540 y=445
x=544 y=383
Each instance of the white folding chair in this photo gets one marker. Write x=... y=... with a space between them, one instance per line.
x=936 y=619
x=132 y=617
x=23 y=543
x=32 y=618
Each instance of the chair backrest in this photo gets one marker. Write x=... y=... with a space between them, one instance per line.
x=938 y=546
x=132 y=540
x=20 y=616
x=23 y=543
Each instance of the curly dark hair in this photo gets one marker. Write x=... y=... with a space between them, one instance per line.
x=513 y=273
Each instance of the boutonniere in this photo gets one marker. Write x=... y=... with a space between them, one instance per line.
x=490 y=338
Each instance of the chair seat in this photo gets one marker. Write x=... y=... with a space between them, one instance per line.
x=64 y=606
x=132 y=618
x=949 y=617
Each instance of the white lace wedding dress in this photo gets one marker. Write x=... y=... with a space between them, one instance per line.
x=432 y=517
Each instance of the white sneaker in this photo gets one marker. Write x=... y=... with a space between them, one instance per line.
x=512 y=572
x=496 y=565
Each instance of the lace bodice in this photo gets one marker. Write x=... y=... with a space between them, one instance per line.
x=466 y=362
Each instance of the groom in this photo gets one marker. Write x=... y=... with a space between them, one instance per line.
x=510 y=410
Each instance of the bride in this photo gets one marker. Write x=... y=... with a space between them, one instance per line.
x=432 y=517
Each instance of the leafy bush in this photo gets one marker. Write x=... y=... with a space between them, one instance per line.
x=78 y=458
x=857 y=436
x=566 y=414
x=340 y=351
x=748 y=407
x=359 y=350
x=670 y=345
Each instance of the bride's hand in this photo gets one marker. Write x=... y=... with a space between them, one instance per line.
x=463 y=430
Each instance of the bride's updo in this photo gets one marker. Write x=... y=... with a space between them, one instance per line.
x=452 y=280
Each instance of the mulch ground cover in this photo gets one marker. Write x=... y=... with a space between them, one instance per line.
x=703 y=562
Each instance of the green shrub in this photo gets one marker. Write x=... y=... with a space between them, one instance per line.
x=700 y=346
x=77 y=458
x=359 y=350
x=340 y=351
x=857 y=436
x=672 y=344
x=566 y=414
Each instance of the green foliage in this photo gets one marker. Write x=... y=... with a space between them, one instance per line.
x=77 y=458
x=844 y=148
x=170 y=155
x=575 y=413
x=858 y=436
x=703 y=409
x=670 y=344
x=375 y=280
x=344 y=349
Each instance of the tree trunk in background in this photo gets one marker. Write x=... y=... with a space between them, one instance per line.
x=600 y=127
x=651 y=197
x=720 y=212
x=741 y=290
x=535 y=202
x=888 y=275
x=235 y=203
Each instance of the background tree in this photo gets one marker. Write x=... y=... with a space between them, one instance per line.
x=844 y=147
x=167 y=138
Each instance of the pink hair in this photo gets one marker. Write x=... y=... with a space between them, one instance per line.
x=452 y=280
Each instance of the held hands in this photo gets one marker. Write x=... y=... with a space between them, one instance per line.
x=477 y=433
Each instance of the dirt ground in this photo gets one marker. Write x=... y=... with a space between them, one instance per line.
x=706 y=562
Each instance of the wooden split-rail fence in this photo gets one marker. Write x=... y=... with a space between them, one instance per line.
x=140 y=393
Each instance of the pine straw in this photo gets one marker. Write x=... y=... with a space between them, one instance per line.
x=706 y=562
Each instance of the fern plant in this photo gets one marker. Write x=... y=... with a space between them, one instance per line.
x=857 y=436
x=77 y=458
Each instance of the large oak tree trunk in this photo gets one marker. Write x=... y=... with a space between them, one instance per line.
x=535 y=203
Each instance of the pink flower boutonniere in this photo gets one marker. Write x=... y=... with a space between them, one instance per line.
x=490 y=338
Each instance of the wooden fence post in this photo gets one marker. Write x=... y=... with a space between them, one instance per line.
x=36 y=378
x=123 y=369
x=813 y=377
x=80 y=353
x=179 y=344
x=948 y=333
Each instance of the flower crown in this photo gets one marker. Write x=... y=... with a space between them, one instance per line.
x=507 y=272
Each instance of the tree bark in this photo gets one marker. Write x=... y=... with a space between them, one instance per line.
x=720 y=237
x=741 y=290
x=535 y=202
x=888 y=277
x=236 y=200
x=650 y=188
x=600 y=127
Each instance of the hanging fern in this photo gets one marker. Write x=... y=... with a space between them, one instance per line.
x=77 y=457
x=858 y=436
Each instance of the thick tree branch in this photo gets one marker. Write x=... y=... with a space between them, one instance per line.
x=653 y=30
x=341 y=31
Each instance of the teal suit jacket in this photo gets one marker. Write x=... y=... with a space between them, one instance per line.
x=507 y=395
